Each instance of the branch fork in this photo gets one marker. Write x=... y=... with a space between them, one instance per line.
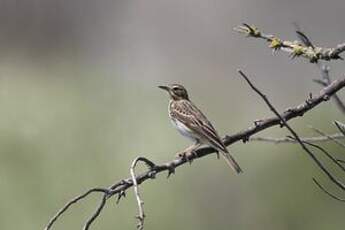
x=304 y=49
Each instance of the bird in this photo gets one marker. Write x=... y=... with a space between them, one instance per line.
x=193 y=124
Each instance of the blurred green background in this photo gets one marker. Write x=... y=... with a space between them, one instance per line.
x=79 y=102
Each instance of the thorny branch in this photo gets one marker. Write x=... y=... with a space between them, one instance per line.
x=289 y=139
x=283 y=121
x=309 y=141
x=326 y=80
x=324 y=69
x=327 y=192
x=140 y=202
x=333 y=159
x=318 y=139
x=119 y=188
x=74 y=201
x=294 y=48
x=331 y=138
x=340 y=126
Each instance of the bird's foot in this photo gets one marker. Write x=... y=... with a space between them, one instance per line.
x=187 y=155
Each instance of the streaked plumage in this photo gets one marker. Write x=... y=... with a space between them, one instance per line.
x=193 y=124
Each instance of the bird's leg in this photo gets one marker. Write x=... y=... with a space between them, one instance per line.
x=189 y=152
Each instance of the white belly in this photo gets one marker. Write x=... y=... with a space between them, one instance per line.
x=184 y=130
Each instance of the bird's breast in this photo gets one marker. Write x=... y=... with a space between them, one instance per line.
x=184 y=130
x=180 y=126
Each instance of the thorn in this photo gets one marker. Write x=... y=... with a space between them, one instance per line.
x=321 y=82
x=257 y=122
x=281 y=124
x=274 y=51
x=251 y=31
x=291 y=137
x=314 y=59
x=309 y=99
x=325 y=97
x=190 y=160
x=121 y=194
x=288 y=110
x=188 y=156
x=152 y=174
x=337 y=56
x=171 y=170
x=124 y=182
x=245 y=139
x=306 y=41
x=139 y=218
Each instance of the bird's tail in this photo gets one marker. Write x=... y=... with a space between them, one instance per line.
x=231 y=162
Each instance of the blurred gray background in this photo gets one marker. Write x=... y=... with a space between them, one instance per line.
x=79 y=100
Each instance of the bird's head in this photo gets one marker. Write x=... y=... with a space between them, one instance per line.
x=176 y=91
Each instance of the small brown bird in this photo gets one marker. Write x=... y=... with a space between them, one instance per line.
x=193 y=124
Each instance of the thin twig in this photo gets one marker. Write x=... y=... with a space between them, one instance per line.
x=333 y=159
x=119 y=188
x=294 y=48
x=306 y=140
x=282 y=140
x=141 y=216
x=325 y=81
x=304 y=39
x=324 y=69
x=340 y=126
x=328 y=136
x=295 y=135
x=96 y=213
x=71 y=202
x=327 y=192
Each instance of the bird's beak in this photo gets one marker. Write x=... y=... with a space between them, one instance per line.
x=166 y=88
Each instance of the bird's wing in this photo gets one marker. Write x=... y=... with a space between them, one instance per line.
x=187 y=113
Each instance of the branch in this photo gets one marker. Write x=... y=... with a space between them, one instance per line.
x=340 y=126
x=325 y=81
x=324 y=69
x=73 y=201
x=307 y=141
x=331 y=138
x=281 y=140
x=336 y=161
x=141 y=215
x=120 y=187
x=295 y=135
x=294 y=48
x=327 y=192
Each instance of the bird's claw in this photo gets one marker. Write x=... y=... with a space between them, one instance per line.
x=188 y=155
